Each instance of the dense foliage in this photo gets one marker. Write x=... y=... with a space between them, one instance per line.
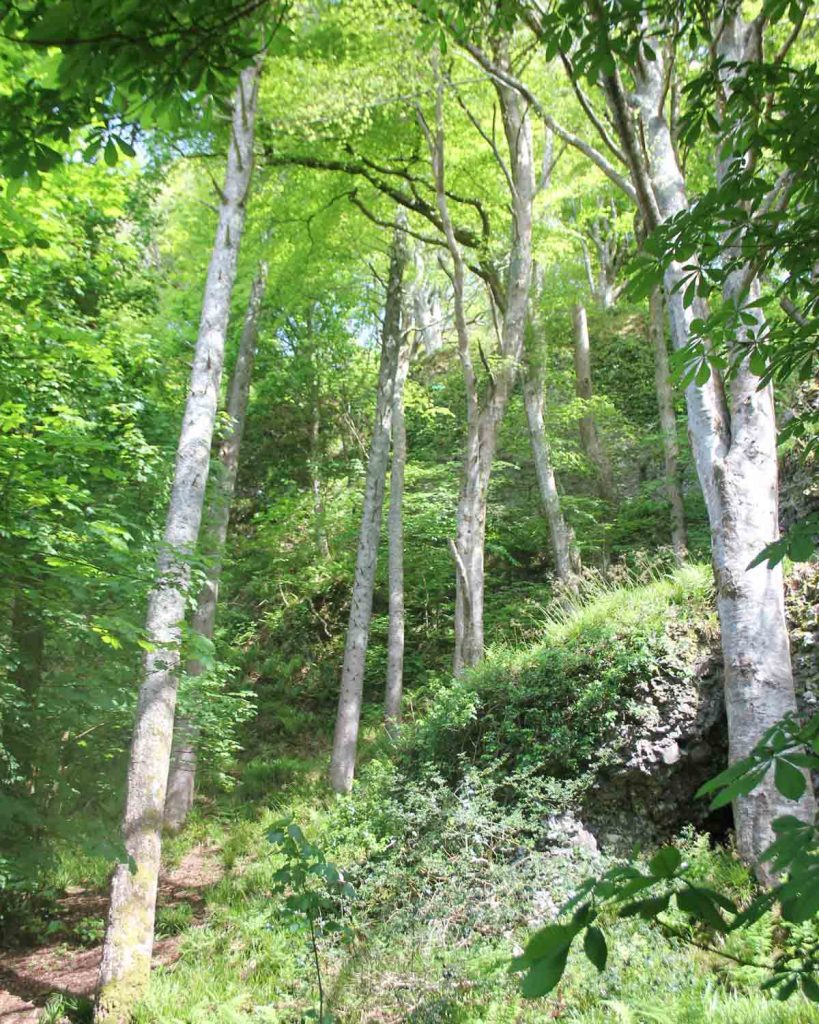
x=552 y=792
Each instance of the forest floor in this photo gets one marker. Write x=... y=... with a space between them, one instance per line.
x=30 y=976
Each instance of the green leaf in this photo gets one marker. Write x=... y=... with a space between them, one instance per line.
x=789 y=780
x=697 y=904
x=665 y=862
x=594 y=946
x=810 y=987
x=543 y=976
x=646 y=909
x=110 y=153
x=550 y=941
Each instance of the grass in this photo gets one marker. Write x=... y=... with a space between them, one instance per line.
x=449 y=881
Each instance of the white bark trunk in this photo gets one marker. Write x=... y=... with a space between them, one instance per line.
x=484 y=416
x=322 y=542
x=395 y=532
x=567 y=561
x=126 y=958
x=345 y=739
x=589 y=434
x=733 y=436
x=668 y=424
x=182 y=774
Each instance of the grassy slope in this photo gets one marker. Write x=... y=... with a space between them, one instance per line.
x=448 y=875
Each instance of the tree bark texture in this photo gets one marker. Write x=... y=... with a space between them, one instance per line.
x=126 y=958
x=484 y=414
x=345 y=739
x=182 y=774
x=395 y=533
x=567 y=560
x=733 y=436
x=589 y=434
x=668 y=424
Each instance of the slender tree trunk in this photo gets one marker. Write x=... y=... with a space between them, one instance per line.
x=182 y=774
x=345 y=740
x=484 y=415
x=395 y=531
x=470 y=532
x=668 y=424
x=126 y=958
x=322 y=542
x=567 y=559
x=733 y=437
x=589 y=435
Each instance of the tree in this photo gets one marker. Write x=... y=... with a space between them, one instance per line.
x=484 y=414
x=589 y=434
x=668 y=422
x=182 y=774
x=126 y=960
x=730 y=418
x=345 y=738
x=108 y=71
x=395 y=533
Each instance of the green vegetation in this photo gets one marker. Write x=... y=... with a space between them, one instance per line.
x=400 y=616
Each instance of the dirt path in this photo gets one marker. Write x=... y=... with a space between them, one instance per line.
x=27 y=978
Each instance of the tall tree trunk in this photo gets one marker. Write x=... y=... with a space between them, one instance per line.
x=182 y=774
x=733 y=435
x=395 y=533
x=345 y=739
x=668 y=424
x=126 y=958
x=567 y=559
x=322 y=543
x=589 y=435
x=470 y=527
x=484 y=415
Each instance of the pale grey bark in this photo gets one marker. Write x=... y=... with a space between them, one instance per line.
x=126 y=958
x=733 y=436
x=564 y=550
x=668 y=424
x=589 y=434
x=395 y=533
x=426 y=308
x=182 y=774
x=484 y=413
x=345 y=739
x=319 y=517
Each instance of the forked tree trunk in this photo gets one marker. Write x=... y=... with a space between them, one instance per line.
x=484 y=415
x=668 y=424
x=589 y=434
x=470 y=527
x=182 y=774
x=733 y=435
x=345 y=739
x=564 y=551
x=126 y=957
x=395 y=533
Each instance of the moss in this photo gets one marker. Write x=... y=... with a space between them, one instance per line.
x=118 y=998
